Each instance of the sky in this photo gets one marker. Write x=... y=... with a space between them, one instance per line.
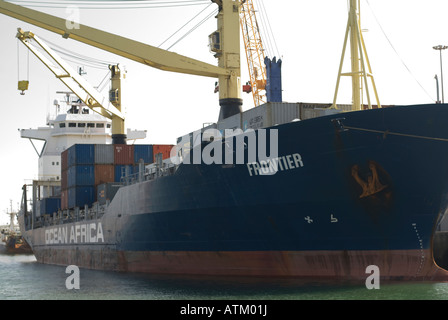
x=399 y=36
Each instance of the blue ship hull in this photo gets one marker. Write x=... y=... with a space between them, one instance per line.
x=352 y=190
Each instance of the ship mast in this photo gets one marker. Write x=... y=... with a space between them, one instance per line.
x=359 y=61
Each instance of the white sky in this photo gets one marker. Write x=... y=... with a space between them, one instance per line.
x=309 y=36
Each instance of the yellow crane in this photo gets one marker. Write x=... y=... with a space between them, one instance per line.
x=225 y=42
x=254 y=51
x=110 y=108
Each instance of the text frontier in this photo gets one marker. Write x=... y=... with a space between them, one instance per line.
x=235 y=147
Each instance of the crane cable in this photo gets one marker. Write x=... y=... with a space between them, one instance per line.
x=267 y=33
x=211 y=14
x=23 y=82
x=184 y=25
x=396 y=52
x=132 y=4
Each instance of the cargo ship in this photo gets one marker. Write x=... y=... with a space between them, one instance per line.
x=364 y=188
x=280 y=190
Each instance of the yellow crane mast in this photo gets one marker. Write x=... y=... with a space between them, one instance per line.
x=254 y=51
x=360 y=64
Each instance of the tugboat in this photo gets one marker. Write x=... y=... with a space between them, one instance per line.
x=14 y=242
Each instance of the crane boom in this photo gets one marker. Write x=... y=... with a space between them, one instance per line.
x=227 y=48
x=64 y=72
x=254 y=51
x=131 y=49
x=79 y=86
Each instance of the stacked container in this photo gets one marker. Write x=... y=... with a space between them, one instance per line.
x=142 y=153
x=89 y=170
x=64 y=180
x=123 y=157
x=81 y=175
x=164 y=149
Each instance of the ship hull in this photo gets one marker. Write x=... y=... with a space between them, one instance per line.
x=325 y=265
x=351 y=190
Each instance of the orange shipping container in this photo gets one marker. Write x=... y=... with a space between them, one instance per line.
x=104 y=173
x=164 y=149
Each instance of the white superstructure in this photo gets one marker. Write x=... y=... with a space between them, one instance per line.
x=72 y=123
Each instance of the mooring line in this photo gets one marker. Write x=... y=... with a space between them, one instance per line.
x=395 y=133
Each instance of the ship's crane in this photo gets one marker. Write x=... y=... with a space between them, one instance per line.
x=110 y=108
x=225 y=42
x=265 y=73
x=254 y=51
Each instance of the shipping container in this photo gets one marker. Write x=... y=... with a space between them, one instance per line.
x=81 y=175
x=107 y=191
x=164 y=149
x=283 y=112
x=81 y=196
x=64 y=199
x=64 y=160
x=120 y=171
x=104 y=173
x=123 y=154
x=144 y=152
x=49 y=205
x=104 y=154
x=233 y=122
x=64 y=179
x=81 y=154
x=256 y=118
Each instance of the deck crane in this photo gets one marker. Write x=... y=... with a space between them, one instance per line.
x=110 y=108
x=264 y=73
x=360 y=65
x=225 y=43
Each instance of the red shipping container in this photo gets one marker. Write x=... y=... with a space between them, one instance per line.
x=104 y=173
x=64 y=199
x=123 y=154
x=64 y=179
x=164 y=149
x=64 y=160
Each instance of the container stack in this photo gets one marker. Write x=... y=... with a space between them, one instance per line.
x=91 y=173
x=123 y=160
x=80 y=175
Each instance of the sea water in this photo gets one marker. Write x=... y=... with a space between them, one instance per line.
x=22 y=278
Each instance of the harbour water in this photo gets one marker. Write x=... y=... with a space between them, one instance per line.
x=22 y=278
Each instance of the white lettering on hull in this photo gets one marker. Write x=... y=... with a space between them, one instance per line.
x=79 y=233
x=271 y=166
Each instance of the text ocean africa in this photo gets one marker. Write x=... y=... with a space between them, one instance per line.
x=79 y=233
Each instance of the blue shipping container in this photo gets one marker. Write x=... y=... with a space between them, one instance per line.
x=120 y=171
x=143 y=151
x=81 y=154
x=81 y=196
x=49 y=205
x=81 y=175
